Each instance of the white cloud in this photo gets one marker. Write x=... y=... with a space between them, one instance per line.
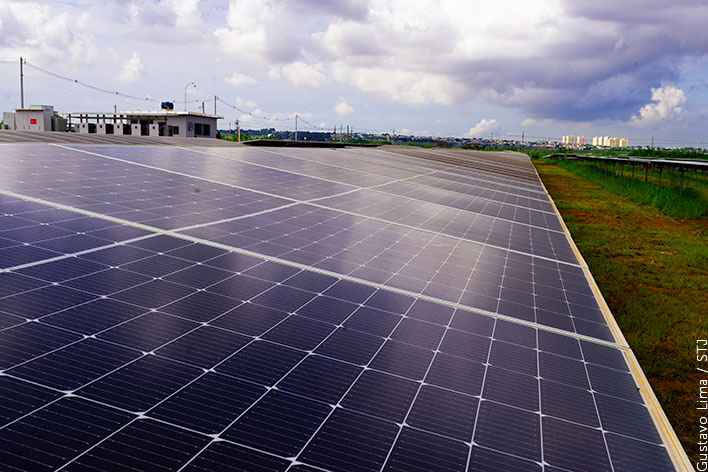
x=528 y=122
x=246 y=31
x=482 y=128
x=299 y=74
x=132 y=69
x=187 y=13
x=44 y=33
x=666 y=105
x=244 y=103
x=239 y=80
x=400 y=85
x=342 y=108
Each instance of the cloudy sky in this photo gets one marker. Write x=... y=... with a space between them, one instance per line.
x=633 y=68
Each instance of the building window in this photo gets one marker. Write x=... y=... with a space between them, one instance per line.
x=206 y=130
x=197 y=129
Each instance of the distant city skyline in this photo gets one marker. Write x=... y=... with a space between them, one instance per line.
x=439 y=68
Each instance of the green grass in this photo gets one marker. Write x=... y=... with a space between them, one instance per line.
x=667 y=198
x=652 y=269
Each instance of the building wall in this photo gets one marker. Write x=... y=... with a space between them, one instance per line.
x=33 y=120
x=8 y=120
x=188 y=126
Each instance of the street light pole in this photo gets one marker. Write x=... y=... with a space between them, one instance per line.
x=22 y=85
x=185 y=93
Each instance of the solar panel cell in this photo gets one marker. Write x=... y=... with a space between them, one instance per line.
x=30 y=444
x=204 y=347
x=351 y=441
x=20 y=398
x=629 y=454
x=142 y=445
x=571 y=446
x=209 y=404
x=142 y=384
x=420 y=451
x=262 y=362
x=403 y=359
x=280 y=423
x=510 y=430
x=299 y=332
x=444 y=412
x=76 y=364
x=29 y=340
x=350 y=346
x=226 y=457
x=320 y=378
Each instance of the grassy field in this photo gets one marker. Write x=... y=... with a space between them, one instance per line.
x=652 y=269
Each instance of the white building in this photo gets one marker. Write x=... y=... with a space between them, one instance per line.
x=34 y=118
x=606 y=141
x=186 y=124
x=572 y=140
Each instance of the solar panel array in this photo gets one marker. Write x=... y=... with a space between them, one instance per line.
x=229 y=309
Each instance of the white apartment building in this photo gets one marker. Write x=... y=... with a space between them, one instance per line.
x=572 y=140
x=606 y=141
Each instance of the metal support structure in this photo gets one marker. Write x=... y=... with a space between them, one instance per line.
x=296 y=127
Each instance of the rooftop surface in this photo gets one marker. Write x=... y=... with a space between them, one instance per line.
x=237 y=308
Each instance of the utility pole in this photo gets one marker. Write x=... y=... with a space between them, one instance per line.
x=492 y=140
x=238 y=131
x=296 y=127
x=214 y=105
x=334 y=134
x=22 y=86
x=340 y=132
x=652 y=142
x=203 y=112
x=347 y=133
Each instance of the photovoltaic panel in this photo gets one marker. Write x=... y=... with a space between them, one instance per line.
x=292 y=335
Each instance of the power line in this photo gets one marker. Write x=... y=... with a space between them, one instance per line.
x=67 y=88
x=254 y=115
x=311 y=125
x=93 y=87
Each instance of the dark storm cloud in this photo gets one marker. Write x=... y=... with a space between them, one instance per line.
x=607 y=72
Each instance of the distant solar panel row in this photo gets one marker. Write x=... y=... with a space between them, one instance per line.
x=124 y=348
